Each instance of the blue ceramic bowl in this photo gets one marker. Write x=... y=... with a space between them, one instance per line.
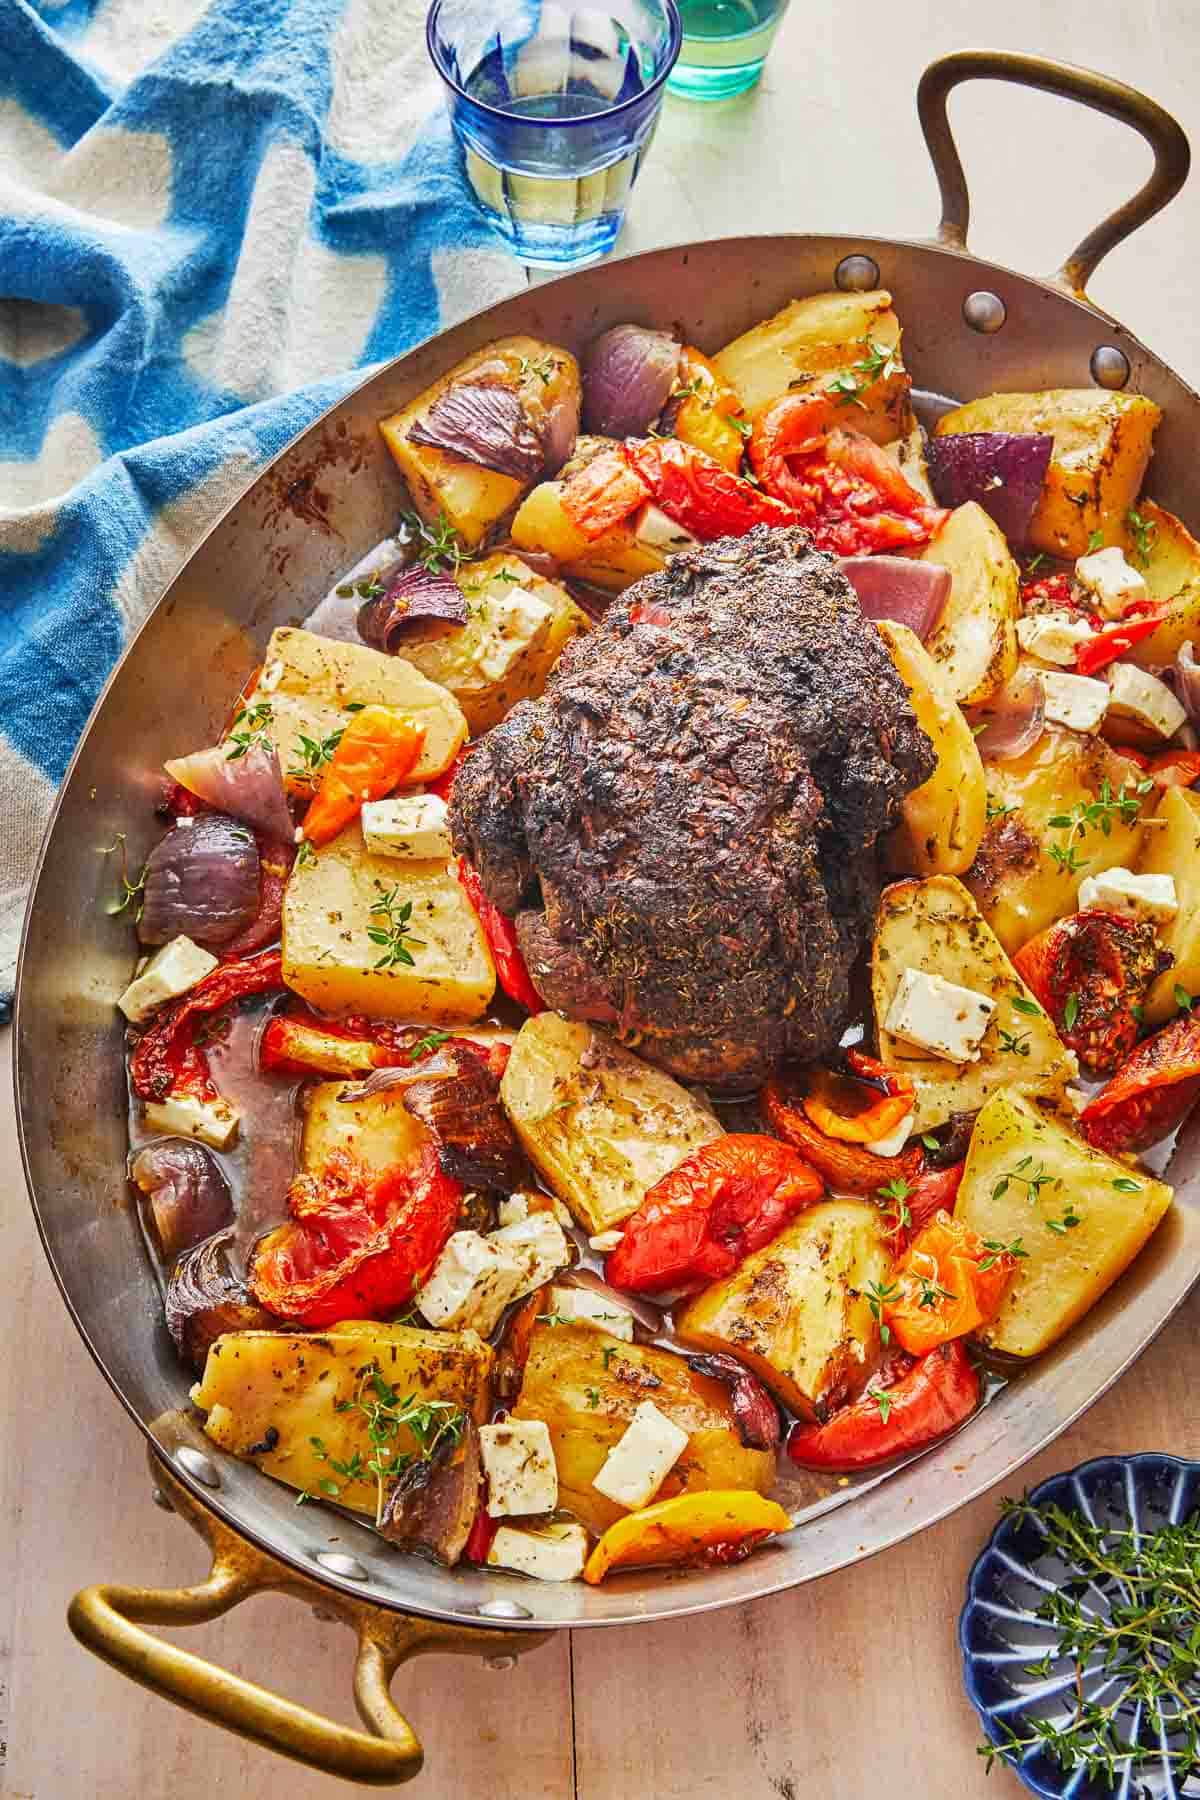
x=1001 y=1636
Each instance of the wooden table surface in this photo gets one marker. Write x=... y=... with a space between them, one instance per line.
x=843 y=1685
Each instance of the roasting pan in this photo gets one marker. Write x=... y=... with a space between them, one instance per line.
x=969 y=327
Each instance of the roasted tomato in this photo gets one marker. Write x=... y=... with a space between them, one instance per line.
x=1105 y=646
x=1092 y=971
x=849 y=1167
x=947 y=1283
x=356 y=1245
x=501 y=934
x=702 y=1219
x=932 y=1397
x=698 y=493
x=1151 y=1092
x=714 y=1526
x=166 y=1055
x=858 y=1111
x=845 y=489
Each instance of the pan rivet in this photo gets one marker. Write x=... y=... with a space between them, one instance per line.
x=504 y=1609
x=198 y=1466
x=984 y=311
x=500 y=1663
x=339 y=1564
x=857 y=274
x=1110 y=366
x=160 y=1499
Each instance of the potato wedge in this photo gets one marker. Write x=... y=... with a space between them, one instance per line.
x=473 y=499
x=814 y=342
x=600 y=1126
x=379 y=1131
x=975 y=640
x=586 y=1385
x=1027 y=1174
x=269 y=1394
x=311 y=683
x=1173 y=848
x=611 y=562
x=330 y=906
x=935 y=926
x=1018 y=884
x=908 y=453
x=797 y=1311
x=943 y=820
x=1102 y=443
x=1167 y=556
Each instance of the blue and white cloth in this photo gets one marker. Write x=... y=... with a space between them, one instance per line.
x=204 y=205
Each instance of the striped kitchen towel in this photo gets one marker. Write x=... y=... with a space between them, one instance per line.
x=204 y=205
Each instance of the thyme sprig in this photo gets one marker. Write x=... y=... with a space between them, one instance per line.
x=132 y=892
x=439 y=547
x=391 y=930
x=433 y=1424
x=248 y=729
x=1100 y=815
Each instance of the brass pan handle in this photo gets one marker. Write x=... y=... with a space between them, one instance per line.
x=109 y=1620
x=1172 y=154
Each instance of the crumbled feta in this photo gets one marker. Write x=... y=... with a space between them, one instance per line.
x=1121 y=891
x=523 y=1206
x=605 y=1241
x=470 y=1284
x=1077 y=701
x=1107 y=575
x=657 y=532
x=538 y=1244
x=641 y=1459
x=518 y=617
x=1053 y=636
x=514 y=1209
x=213 y=1122
x=411 y=826
x=170 y=972
x=556 y=1551
x=894 y=1142
x=518 y=1460
x=1136 y=694
x=939 y=1016
x=580 y=1306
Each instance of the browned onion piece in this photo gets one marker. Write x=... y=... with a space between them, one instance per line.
x=628 y=374
x=560 y=428
x=486 y=424
x=205 y=1298
x=643 y=1310
x=755 y=1413
x=462 y=1113
x=1013 y=719
x=441 y=1063
x=189 y=1197
x=202 y=880
x=892 y=587
x=540 y=561
x=433 y=1504
x=245 y=784
x=417 y=602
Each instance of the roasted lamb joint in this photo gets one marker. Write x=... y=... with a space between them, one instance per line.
x=685 y=825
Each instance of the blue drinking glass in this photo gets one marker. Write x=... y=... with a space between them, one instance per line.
x=554 y=111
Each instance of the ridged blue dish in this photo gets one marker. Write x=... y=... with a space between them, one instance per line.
x=1000 y=1634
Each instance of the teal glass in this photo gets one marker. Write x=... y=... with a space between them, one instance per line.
x=554 y=111
x=725 y=44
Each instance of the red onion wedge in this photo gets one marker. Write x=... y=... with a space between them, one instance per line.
x=1012 y=721
x=205 y=1298
x=202 y=880
x=189 y=1197
x=245 y=783
x=462 y=1113
x=1003 y=470
x=417 y=603
x=628 y=375
x=1184 y=678
x=559 y=427
x=892 y=587
x=485 y=423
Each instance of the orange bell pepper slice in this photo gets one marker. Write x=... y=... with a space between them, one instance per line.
x=849 y=1167
x=376 y=750
x=719 y=1525
x=604 y=492
x=707 y=410
x=854 y=1112
x=947 y=1283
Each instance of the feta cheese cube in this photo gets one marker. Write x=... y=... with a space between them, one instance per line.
x=1077 y=701
x=1136 y=694
x=1137 y=896
x=518 y=1460
x=170 y=972
x=894 y=1142
x=1053 y=636
x=641 y=1459
x=556 y=1551
x=580 y=1306
x=517 y=617
x=939 y=1016
x=539 y=1245
x=605 y=1241
x=410 y=826
x=470 y=1284
x=1107 y=575
x=654 y=529
x=212 y=1122
x=514 y=1209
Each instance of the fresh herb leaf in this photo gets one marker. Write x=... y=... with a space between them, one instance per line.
x=1124 y=1185
x=1022 y=1004
x=1071 y=1010
x=248 y=729
x=995 y=1250
x=1144 y=532
x=1013 y=1043
x=132 y=892
x=883 y=1401
x=1095 y=540
x=314 y=755
x=393 y=934
x=881 y=1294
x=440 y=549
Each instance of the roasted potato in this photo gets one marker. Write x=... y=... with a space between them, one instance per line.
x=1102 y=444
x=1167 y=556
x=586 y=1386
x=1171 y=846
x=943 y=820
x=909 y=453
x=310 y=685
x=600 y=1126
x=798 y=1311
x=612 y=561
x=817 y=342
x=975 y=640
x=935 y=926
x=332 y=903
x=378 y=1131
x=1019 y=885
x=473 y=499
x=272 y=1397
x=1027 y=1177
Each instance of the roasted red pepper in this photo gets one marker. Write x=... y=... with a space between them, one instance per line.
x=858 y=1112
x=1151 y=1092
x=946 y=1284
x=166 y=1056
x=700 y=495
x=724 y=1201
x=602 y=493
x=501 y=935
x=933 y=1191
x=849 y=1167
x=844 y=488
x=357 y=1244
x=479 y=1539
x=933 y=1397
x=1105 y=646
x=1091 y=972
x=1175 y=768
